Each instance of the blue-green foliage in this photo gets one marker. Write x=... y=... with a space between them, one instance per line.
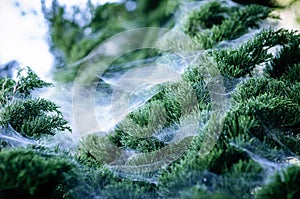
x=215 y=22
x=27 y=173
x=283 y=185
x=33 y=117
x=242 y=60
x=128 y=189
x=26 y=82
x=210 y=14
x=29 y=116
x=260 y=126
x=262 y=111
x=269 y=3
x=287 y=57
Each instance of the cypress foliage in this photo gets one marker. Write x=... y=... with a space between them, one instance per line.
x=216 y=27
x=283 y=185
x=257 y=133
x=26 y=173
x=28 y=116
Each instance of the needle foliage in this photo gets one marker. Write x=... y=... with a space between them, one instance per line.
x=226 y=129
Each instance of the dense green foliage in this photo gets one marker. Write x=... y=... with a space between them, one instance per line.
x=269 y=3
x=41 y=172
x=283 y=185
x=241 y=61
x=209 y=25
x=25 y=83
x=30 y=116
x=225 y=129
x=26 y=173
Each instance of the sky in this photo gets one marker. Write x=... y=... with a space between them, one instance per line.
x=23 y=34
